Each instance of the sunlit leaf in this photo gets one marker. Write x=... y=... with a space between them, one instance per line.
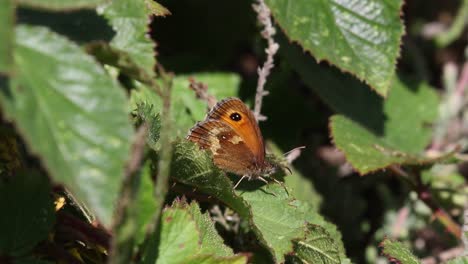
x=7 y=20
x=61 y=5
x=397 y=251
x=360 y=37
x=71 y=114
x=130 y=20
x=317 y=247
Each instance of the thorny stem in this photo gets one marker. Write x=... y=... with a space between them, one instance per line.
x=465 y=227
x=425 y=195
x=164 y=165
x=201 y=91
x=463 y=80
x=264 y=17
x=163 y=169
x=403 y=175
x=162 y=180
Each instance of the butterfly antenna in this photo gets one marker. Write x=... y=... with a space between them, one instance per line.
x=293 y=154
x=235 y=186
x=294 y=149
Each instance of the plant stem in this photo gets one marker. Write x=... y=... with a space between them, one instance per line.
x=264 y=17
x=163 y=172
x=124 y=222
x=454 y=32
x=162 y=180
x=425 y=195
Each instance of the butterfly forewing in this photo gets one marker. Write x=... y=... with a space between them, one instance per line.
x=246 y=127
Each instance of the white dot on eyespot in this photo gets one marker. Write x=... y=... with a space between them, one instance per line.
x=223 y=137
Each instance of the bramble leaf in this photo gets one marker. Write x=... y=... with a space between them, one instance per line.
x=409 y=109
x=61 y=5
x=188 y=236
x=317 y=247
x=130 y=20
x=395 y=250
x=360 y=37
x=71 y=114
x=7 y=20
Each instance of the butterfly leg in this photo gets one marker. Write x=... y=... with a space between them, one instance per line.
x=282 y=184
x=275 y=180
x=262 y=179
x=243 y=176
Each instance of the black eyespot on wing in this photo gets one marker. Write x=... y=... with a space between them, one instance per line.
x=235 y=117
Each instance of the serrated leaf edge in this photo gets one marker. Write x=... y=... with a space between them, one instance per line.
x=417 y=160
x=361 y=79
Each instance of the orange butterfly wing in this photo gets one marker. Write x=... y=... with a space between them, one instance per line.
x=246 y=127
x=229 y=152
x=231 y=133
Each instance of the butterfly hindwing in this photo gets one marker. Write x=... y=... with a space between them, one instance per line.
x=229 y=150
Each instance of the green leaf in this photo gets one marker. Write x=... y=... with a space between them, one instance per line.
x=277 y=220
x=315 y=219
x=81 y=129
x=458 y=260
x=179 y=236
x=130 y=20
x=210 y=241
x=317 y=247
x=157 y=9
x=187 y=237
x=61 y=5
x=137 y=206
x=395 y=250
x=147 y=113
x=238 y=259
x=409 y=109
x=280 y=219
x=360 y=37
x=186 y=109
x=7 y=20
x=27 y=212
x=145 y=203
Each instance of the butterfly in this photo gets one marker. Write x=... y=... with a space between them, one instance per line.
x=230 y=132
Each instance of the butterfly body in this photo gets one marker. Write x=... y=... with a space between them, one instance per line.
x=230 y=132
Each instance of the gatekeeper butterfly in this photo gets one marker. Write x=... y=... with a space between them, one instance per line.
x=230 y=132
